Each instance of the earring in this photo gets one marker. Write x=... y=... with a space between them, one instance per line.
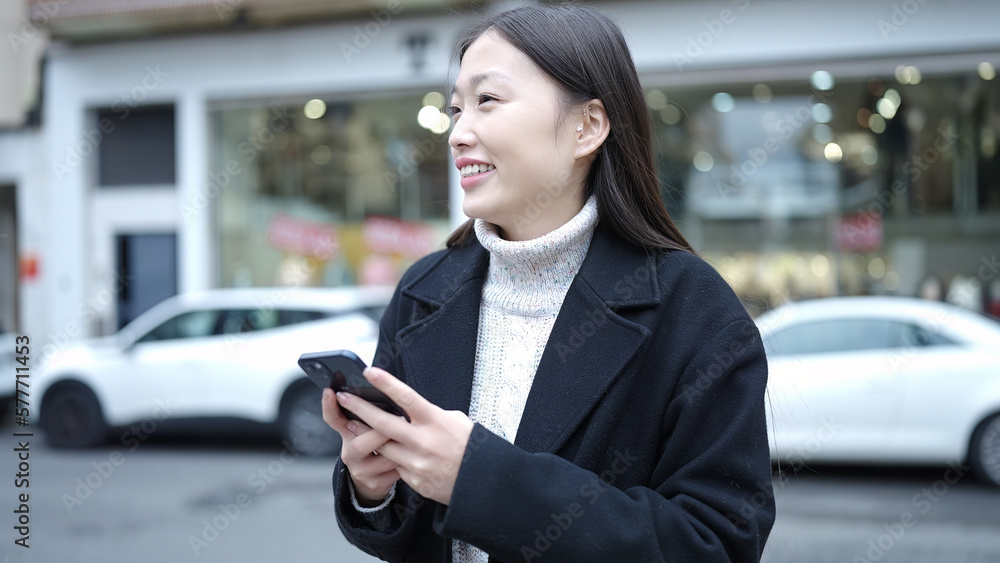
x=579 y=128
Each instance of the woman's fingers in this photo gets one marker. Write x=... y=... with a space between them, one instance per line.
x=332 y=414
x=400 y=393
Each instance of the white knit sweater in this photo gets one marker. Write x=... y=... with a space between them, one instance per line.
x=524 y=290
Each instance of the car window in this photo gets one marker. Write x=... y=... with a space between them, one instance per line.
x=238 y=321
x=291 y=317
x=374 y=312
x=914 y=335
x=193 y=324
x=837 y=335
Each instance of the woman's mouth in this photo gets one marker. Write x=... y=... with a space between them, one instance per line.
x=474 y=169
x=473 y=174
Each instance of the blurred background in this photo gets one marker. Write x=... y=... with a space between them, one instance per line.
x=807 y=149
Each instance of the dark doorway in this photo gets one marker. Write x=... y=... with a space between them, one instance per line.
x=146 y=272
x=9 y=265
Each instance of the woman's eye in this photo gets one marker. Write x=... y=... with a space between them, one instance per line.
x=483 y=98
x=454 y=110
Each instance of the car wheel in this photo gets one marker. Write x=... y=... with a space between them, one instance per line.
x=302 y=423
x=71 y=417
x=984 y=451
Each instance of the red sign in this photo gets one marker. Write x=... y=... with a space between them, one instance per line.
x=387 y=235
x=299 y=236
x=28 y=267
x=859 y=232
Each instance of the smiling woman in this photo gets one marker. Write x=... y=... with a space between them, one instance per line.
x=580 y=385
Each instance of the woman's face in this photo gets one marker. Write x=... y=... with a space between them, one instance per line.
x=512 y=144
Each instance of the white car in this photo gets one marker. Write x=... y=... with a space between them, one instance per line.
x=222 y=355
x=889 y=380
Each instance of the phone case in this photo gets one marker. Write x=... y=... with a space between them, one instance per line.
x=342 y=371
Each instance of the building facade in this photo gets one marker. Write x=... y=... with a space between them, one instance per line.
x=805 y=148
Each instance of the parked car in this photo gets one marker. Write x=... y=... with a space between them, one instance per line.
x=216 y=356
x=885 y=380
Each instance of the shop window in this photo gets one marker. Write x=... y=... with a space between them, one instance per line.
x=328 y=192
x=867 y=186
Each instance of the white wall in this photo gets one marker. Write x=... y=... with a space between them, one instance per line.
x=21 y=165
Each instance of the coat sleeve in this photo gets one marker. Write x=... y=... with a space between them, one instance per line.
x=708 y=499
x=393 y=543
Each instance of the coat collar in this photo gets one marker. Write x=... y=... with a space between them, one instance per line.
x=588 y=347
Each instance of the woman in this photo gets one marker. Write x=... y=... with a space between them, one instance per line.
x=581 y=386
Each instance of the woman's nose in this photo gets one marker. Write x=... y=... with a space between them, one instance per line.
x=461 y=134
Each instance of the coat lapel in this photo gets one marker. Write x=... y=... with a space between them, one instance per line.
x=438 y=349
x=590 y=343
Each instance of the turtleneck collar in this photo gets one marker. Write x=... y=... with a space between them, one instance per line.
x=531 y=277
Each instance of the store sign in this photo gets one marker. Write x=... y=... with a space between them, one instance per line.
x=386 y=235
x=859 y=232
x=28 y=267
x=306 y=238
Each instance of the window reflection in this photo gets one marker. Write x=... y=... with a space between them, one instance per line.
x=872 y=186
x=302 y=187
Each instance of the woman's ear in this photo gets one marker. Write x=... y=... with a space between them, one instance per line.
x=592 y=129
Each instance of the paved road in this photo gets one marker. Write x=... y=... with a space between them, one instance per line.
x=161 y=503
x=174 y=501
x=890 y=515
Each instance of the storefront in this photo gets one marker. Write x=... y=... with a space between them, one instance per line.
x=839 y=184
x=315 y=153
x=329 y=191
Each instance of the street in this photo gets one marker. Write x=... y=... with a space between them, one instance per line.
x=231 y=501
x=173 y=500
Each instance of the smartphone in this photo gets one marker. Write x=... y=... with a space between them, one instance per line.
x=341 y=370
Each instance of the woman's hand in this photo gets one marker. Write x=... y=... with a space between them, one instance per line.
x=427 y=451
x=373 y=475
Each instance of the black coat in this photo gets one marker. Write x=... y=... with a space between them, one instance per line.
x=643 y=437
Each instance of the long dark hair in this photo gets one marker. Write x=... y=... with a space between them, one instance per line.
x=585 y=53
